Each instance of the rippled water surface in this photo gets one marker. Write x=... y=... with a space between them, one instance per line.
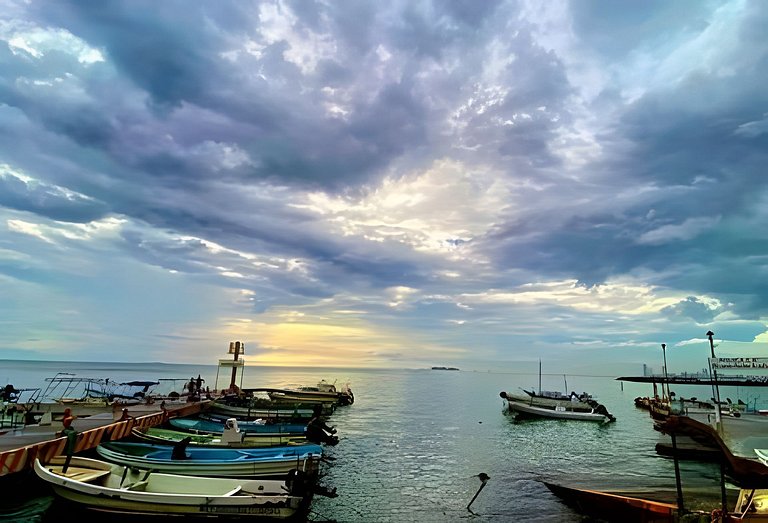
x=414 y=442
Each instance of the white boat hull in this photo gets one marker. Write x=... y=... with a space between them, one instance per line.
x=524 y=410
x=266 y=467
x=106 y=487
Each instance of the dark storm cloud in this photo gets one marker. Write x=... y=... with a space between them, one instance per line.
x=210 y=122
x=48 y=201
x=164 y=48
x=88 y=125
x=173 y=52
x=692 y=308
x=686 y=142
x=287 y=136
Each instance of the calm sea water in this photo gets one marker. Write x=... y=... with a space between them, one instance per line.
x=414 y=441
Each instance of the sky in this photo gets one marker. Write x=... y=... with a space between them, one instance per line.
x=397 y=184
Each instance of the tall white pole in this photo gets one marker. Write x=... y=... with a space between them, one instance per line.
x=718 y=420
x=666 y=378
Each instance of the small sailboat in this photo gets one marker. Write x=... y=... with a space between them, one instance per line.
x=547 y=404
x=528 y=410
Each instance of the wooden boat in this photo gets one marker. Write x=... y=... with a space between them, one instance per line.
x=618 y=507
x=108 y=487
x=218 y=462
x=751 y=506
x=203 y=426
x=745 y=472
x=323 y=393
x=169 y=437
x=249 y=409
x=751 y=475
x=556 y=409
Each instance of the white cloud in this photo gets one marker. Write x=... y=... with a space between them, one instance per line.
x=39 y=41
x=689 y=229
x=615 y=297
x=305 y=47
x=52 y=231
x=428 y=210
x=753 y=129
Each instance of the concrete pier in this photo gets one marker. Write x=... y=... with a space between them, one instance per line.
x=23 y=458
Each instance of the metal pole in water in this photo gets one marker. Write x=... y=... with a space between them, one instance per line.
x=678 y=484
x=718 y=421
x=484 y=479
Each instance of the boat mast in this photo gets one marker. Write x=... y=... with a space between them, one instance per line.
x=539 y=376
x=234 y=348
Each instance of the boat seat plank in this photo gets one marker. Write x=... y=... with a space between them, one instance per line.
x=81 y=474
x=234 y=491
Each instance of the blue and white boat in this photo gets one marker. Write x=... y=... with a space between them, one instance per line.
x=213 y=462
x=212 y=426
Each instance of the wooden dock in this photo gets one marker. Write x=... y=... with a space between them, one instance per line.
x=730 y=381
x=18 y=460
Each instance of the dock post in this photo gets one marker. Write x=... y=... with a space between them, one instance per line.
x=723 y=499
x=678 y=484
x=71 y=435
x=235 y=348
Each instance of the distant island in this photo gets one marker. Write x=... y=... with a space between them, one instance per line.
x=444 y=368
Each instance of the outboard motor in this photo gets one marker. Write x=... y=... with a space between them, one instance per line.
x=231 y=432
x=297 y=483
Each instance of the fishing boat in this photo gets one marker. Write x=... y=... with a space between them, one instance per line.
x=762 y=455
x=549 y=401
x=249 y=408
x=103 y=486
x=240 y=440
x=285 y=396
x=617 y=507
x=549 y=404
x=323 y=393
x=210 y=426
x=564 y=411
x=751 y=506
x=217 y=462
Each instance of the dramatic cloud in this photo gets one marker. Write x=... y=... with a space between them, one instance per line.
x=409 y=183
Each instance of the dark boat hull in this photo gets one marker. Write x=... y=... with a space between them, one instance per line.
x=614 y=507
